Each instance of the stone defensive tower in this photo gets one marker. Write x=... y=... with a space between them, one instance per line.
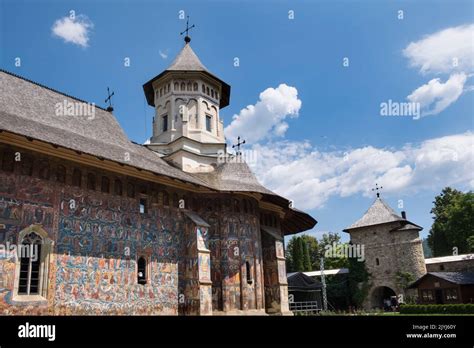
x=392 y=246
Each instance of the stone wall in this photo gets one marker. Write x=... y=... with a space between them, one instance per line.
x=466 y=265
x=388 y=253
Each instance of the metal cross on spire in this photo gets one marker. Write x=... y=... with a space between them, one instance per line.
x=238 y=145
x=187 y=39
x=109 y=99
x=377 y=189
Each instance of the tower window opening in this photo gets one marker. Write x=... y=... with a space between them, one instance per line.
x=208 y=123
x=165 y=123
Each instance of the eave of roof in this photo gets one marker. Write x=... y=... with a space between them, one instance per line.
x=459 y=278
x=104 y=139
x=381 y=213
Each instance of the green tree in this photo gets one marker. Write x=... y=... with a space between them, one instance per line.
x=357 y=282
x=297 y=255
x=404 y=279
x=453 y=224
x=307 y=247
x=313 y=250
x=306 y=258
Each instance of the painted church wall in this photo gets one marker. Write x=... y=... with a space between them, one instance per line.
x=98 y=238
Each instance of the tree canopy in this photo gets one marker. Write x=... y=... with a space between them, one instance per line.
x=453 y=225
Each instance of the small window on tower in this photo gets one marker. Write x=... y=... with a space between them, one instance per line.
x=165 y=123
x=195 y=87
x=377 y=261
x=208 y=123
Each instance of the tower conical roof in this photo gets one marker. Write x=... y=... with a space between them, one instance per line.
x=188 y=61
x=379 y=213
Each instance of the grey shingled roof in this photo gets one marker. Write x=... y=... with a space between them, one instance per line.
x=379 y=213
x=460 y=278
x=233 y=176
x=29 y=109
x=408 y=226
x=187 y=60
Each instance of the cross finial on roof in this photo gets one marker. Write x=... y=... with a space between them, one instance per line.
x=377 y=188
x=109 y=99
x=187 y=39
x=238 y=145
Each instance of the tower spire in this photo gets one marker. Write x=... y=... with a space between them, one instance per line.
x=187 y=39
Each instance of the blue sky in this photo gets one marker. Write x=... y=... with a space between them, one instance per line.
x=327 y=144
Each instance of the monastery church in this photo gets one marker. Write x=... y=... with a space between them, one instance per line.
x=172 y=227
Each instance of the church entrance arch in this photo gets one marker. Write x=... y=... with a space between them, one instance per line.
x=381 y=296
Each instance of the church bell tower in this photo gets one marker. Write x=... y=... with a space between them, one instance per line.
x=187 y=98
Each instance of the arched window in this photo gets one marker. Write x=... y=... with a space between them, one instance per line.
x=203 y=88
x=183 y=86
x=248 y=271
x=118 y=187
x=236 y=206
x=175 y=200
x=217 y=95
x=44 y=170
x=189 y=86
x=166 y=199
x=90 y=181
x=26 y=165
x=141 y=271
x=377 y=262
x=105 y=185
x=76 y=177
x=195 y=86
x=61 y=174
x=244 y=202
x=168 y=89
x=207 y=90
x=130 y=190
x=212 y=93
x=176 y=86
x=30 y=262
x=8 y=161
x=209 y=123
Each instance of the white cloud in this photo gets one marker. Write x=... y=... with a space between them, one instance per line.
x=266 y=118
x=448 y=51
x=74 y=30
x=300 y=172
x=445 y=51
x=435 y=96
x=163 y=55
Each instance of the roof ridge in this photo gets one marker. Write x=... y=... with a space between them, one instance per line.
x=49 y=88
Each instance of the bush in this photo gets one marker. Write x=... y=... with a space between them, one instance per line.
x=438 y=309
